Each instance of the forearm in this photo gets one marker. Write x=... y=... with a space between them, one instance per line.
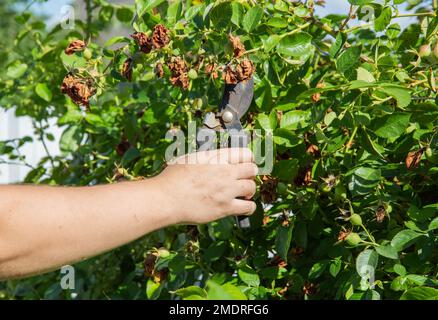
x=42 y=228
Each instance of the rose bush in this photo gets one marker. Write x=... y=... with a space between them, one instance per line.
x=350 y=210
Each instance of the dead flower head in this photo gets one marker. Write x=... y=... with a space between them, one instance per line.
x=238 y=47
x=159 y=71
x=75 y=46
x=242 y=72
x=78 y=89
x=179 y=77
x=143 y=41
x=160 y=36
x=413 y=159
x=211 y=70
x=380 y=214
x=127 y=69
x=268 y=189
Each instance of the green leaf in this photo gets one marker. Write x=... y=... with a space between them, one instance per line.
x=360 y=2
x=16 y=70
x=366 y=262
x=271 y=42
x=391 y=125
x=383 y=20
x=286 y=170
x=124 y=14
x=364 y=179
x=295 y=45
x=143 y=6
x=335 y=267
x=295 y=119
x=252 y=18
x=220 y=14
x=404 y=239
x=387 y=252
x=191 y=291
x=399 y=269
x=349 y=60
x=43 y=91
x=400 y=94
x=238 y=11
x=318 y=269
x=249 y=276
x=434 y=224
x=224 y=292
x=283 y=239
x=420 y=293
x=153 y=289
x=130 y=155
x=336 y=47
x=365 y=75
x=70 y=139
x=116 y=40
x=277 y=22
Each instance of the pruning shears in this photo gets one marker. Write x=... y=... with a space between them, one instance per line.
x=236 y=100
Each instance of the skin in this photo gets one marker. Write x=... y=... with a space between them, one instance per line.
x=44 y=227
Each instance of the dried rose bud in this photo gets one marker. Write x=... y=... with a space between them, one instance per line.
x=159 y=71
x=229 y=75
x=179 y=77
x=238 y=47
x=313 y=150
x=268 y=189
x=78 y=89
x=244 y=70
x=122 y=147
x=316 y=97
x=75 y=46
x=160 y=36
x=127 y=69
x=143 y=41
x=211 y=70
x=413 y=159
x=380 y=214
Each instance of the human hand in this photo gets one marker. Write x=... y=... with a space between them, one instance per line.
x=204 y=186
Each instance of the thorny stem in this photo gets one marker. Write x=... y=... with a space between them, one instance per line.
x=369 y=235
x=89 y=14
x=350 y=141
x=367 y=25
x=17 y=164
x=41 y=132
x=350 y=15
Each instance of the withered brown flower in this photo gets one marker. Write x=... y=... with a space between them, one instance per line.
x=122 y=147
x=75 y=46
x=380 y=214
x=127 y=69
x=179 y=77
x=413 y=159
x=268 y=189
x=211 y=70
x=244 y=70
x=78 y=89
x=143 y=41
x=313 y=150
x=160 y=36
x=238 y=47
x=159 y=71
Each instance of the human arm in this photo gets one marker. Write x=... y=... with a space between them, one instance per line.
x=43 y=227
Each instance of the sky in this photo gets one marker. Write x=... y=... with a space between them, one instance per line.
x=52 y=8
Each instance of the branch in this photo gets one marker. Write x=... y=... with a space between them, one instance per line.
x=89 y=13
